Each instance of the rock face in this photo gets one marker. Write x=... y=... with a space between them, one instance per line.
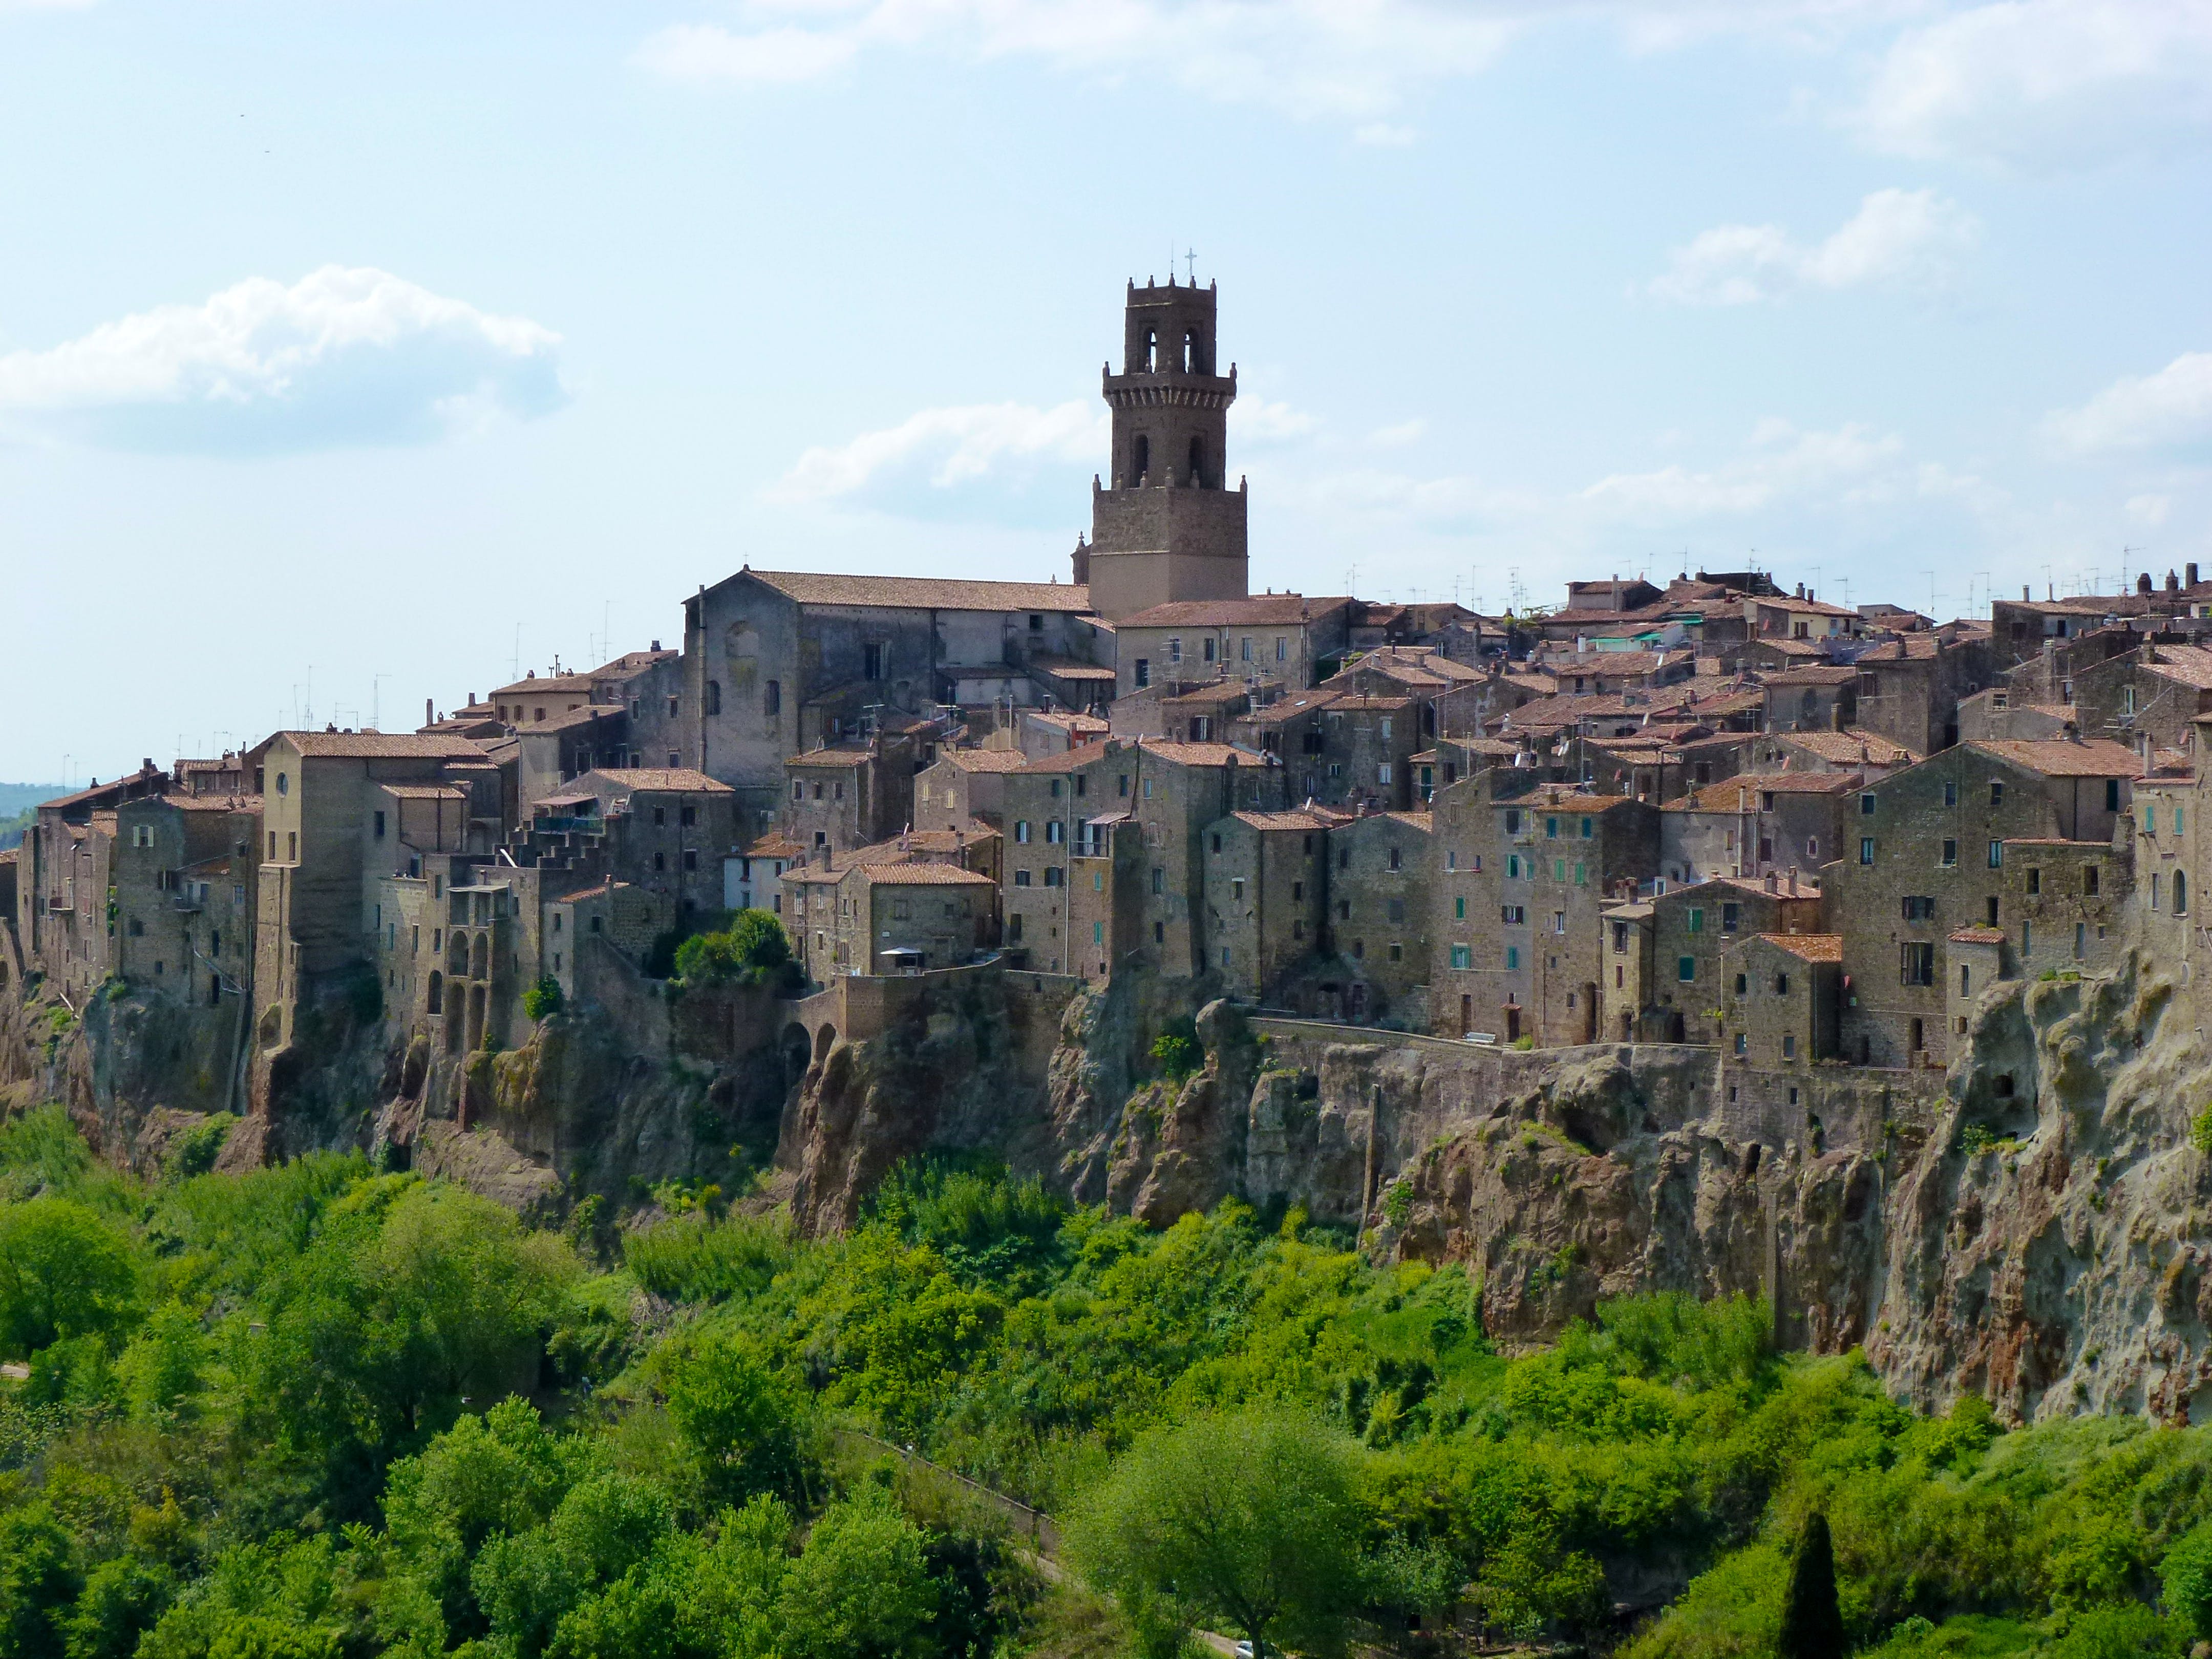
x=2035 y=1226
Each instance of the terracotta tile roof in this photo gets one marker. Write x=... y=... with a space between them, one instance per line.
x=831 y=757
x=568 y=717
x=1298 y=818
x=1287 y=707
x=2191 y=664
x=1978 y=936
x=982 y=760
x=1206 y=754
x=379 y=745
x=1424 y=822
x=1269 y=610
x=1567 y=802
x=424 y=791
x=1811 y=947
x=582 y=893
x=921 y=875
x=775 y=845
x=1072 y=760
x=1219 y=691
x=1722 y=797
x=1358 y=702
x=1803 y=607
x=681 y=779
x=1067 y=668
x=538 y=685
x=1838 y=674
x=1852 y=746
x=630 y=663
x=1793 y=648
x=1909 y=647
x=2096 y=758
x=923 y=593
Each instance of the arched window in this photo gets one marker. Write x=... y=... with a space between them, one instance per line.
x=1191 y=364
x=1151 y=351
x=713 y=697
x=1197 y=454
x=1142 y=462
x=437 y=991
x=2180 y=894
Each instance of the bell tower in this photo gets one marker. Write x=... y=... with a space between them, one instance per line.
x=1167 y=526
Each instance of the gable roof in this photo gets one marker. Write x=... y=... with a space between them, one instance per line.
x=1263 y=610
x=381 y=746
x=1811 y=947
x=675 y=779
x=922 y=593
x=2098 y=757
x=1852 y=746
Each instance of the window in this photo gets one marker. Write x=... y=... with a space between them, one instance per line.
x=2177 y=820
x=2028 y=939
x=2034 y=881
x=872 y=660
x=1282 y=649
x=1697 y=920
x=2180 y=894
x=1587 y=826
x=1055 y=832
x=1551 y=829
x=1382 y=772
x=2111 y=794
x=1996 y=792
x=797 y=790
x=2081 y=940
x=1393 y=858
x=2150 y=819
x=1512 y=957
x=713 y=697
x=1866 y=850
x=1919 y=909
x=660 y=814
x=2154 y=889
x=1950 y=858
x=1244 y=649
x=1916 y=963
x=1237 y=888
x=1053 y=876
x=1866 y=806
x=2089 y=881
x=1021 y=879
x=1209 y=647
x=1950 y=791
x=1997 y=855
x=1513 y=915
x=1143 y=675
x=1160 y=879
x=1463 y=957
x=772 y=697
x=1512 y=821
x=1685 y=969
x=1743 y=983
x=1731 y=918
x=688 y=815
x=1022 y=832
x=291 y=846
x=1788 y=1046
x=1459 y=908
x=690 y=857
x=1741 y=1045
x=1512 y=865
x=1582 y=872
x=1175 y=650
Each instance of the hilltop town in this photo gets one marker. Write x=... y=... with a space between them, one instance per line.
x=1715 y=812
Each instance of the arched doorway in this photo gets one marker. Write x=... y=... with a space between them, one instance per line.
x=437 y=991
x=480 y=957
x=824 y=1041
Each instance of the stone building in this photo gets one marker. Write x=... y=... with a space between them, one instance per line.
x=1381 y=911
x=849 y=796
x=1929 y=851
x=1106 y=881
x=1168 y=528
x=907 y=917
x=1280 y=636
x=1910 y=687
x=1758 y=824
x=1815 y=698
x=777 y=663
x=1667 y=982
x=1267 y=892
x=1783 y=999
x=323 y=857
x=754 y=878
x=964 y=785
x=1517 y=950
x=181 y=883
x=64 y=872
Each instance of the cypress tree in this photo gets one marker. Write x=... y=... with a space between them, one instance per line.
x=1811 y=1623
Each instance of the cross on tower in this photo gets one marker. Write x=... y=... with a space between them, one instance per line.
x=1190 y=264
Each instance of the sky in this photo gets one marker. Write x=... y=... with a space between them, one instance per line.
x=356 y=356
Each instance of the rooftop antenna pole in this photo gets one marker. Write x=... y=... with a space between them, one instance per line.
x=376 y=700
x=514 y=672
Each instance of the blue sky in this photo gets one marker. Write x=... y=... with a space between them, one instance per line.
x=374 y=351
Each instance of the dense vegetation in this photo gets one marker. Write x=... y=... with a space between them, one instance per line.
x=325 y=1411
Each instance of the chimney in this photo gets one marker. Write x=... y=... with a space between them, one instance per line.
x=1801 y=590
x=2172 y=582
x=2143 y=583
x=1773 y=882
x=1793 y=881
x=2025 y=596
x=427 y=717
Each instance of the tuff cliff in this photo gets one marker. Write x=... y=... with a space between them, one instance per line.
x=2031 y=1226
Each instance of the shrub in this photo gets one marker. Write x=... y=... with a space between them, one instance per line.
x=1177 y=1051
x=753 y=951
x=2200 y=1131
x=544 y=999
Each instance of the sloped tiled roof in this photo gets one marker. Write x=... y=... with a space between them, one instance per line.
x=1852 y=746
x=381 y=746
x=1262 y=609
x=677 y=779
x=983 y=760
x=2096 y=758
x=923 y=593
x=1811 y=947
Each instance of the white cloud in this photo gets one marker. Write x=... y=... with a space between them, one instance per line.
x=2150 y=510
x=2170 y=410
x=1256 y=420
x=2045 y=84
x=971 y=460
x=1899 y=239
x=1351 y=58
x=342 y=357
x=1405 y=431
x=1782 y=466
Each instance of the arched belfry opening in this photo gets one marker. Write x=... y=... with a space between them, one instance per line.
x=1140 y=459
x=1197 y=462
x=1151 y=351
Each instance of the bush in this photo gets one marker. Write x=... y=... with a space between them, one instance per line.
x=753 y=951
x=1177 y=1051
x=544 y=999
x=2200 y=1131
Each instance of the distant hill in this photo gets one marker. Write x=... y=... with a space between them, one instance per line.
x=14 y=797
x=17 y=802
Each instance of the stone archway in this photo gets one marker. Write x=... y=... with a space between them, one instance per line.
x=796 y=1049
x=825 y=1040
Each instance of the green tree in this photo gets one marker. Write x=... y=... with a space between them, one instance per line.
x=38 y=1581
x=1246 y=1521
x=753 y=951
x=544 y=999
x=741 y=1422
x=2186 y=1575
x=123 y=1599
x=1812 y=1621
x=64 y=1271
x=861 y=1589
